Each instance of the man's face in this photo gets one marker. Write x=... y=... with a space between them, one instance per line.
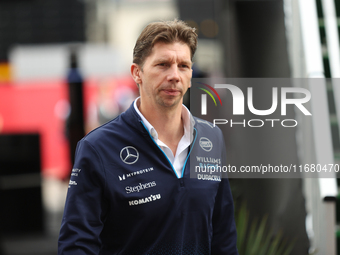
x=165 y=75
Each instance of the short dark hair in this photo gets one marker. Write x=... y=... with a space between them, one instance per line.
x=163 y=31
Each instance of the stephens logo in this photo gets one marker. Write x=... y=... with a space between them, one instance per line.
x=140 y=187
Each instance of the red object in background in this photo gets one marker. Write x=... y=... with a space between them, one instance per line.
x=42 y=107
x=31 y=108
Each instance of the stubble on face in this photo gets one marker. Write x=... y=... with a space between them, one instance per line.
x=167 y=74
x=169 y=96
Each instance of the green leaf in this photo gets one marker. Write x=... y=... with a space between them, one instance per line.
x=259 y=239
x=256 y=239
x=241 y=227
x=251 y=237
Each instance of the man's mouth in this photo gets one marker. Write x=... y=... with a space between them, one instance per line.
x=171 y=92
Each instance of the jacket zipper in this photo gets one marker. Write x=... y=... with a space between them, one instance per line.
x=185 y=162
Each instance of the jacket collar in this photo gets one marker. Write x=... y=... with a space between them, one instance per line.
x=135 y=121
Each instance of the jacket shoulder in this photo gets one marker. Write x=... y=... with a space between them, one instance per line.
x=99 y=133
x=204 y=125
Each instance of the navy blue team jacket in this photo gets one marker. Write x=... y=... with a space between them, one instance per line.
x=124 y=196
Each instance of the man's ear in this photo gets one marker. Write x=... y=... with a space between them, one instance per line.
x=136 y=73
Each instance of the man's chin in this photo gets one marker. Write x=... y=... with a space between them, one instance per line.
x=171 y=103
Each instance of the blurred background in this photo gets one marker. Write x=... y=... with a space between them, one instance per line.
x=64 y=70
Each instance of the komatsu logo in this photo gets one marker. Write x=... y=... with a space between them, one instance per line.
x=145 y=200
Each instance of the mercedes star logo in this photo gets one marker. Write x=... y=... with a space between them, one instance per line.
x=129 y=155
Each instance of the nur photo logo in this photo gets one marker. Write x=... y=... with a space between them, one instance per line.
x=204 y=97
x=278 y=99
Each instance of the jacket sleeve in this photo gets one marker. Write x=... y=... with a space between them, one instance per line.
x=85 y=205
x=224 y=228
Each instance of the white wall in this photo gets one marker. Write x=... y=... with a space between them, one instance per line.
x=128 y=18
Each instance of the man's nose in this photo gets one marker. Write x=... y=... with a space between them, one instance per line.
x=173 y=73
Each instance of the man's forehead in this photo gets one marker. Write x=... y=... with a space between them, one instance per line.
x=163 y=50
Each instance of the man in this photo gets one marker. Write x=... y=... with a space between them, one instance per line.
x=130 y=191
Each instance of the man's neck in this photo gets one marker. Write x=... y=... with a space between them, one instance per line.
x=167 y=122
